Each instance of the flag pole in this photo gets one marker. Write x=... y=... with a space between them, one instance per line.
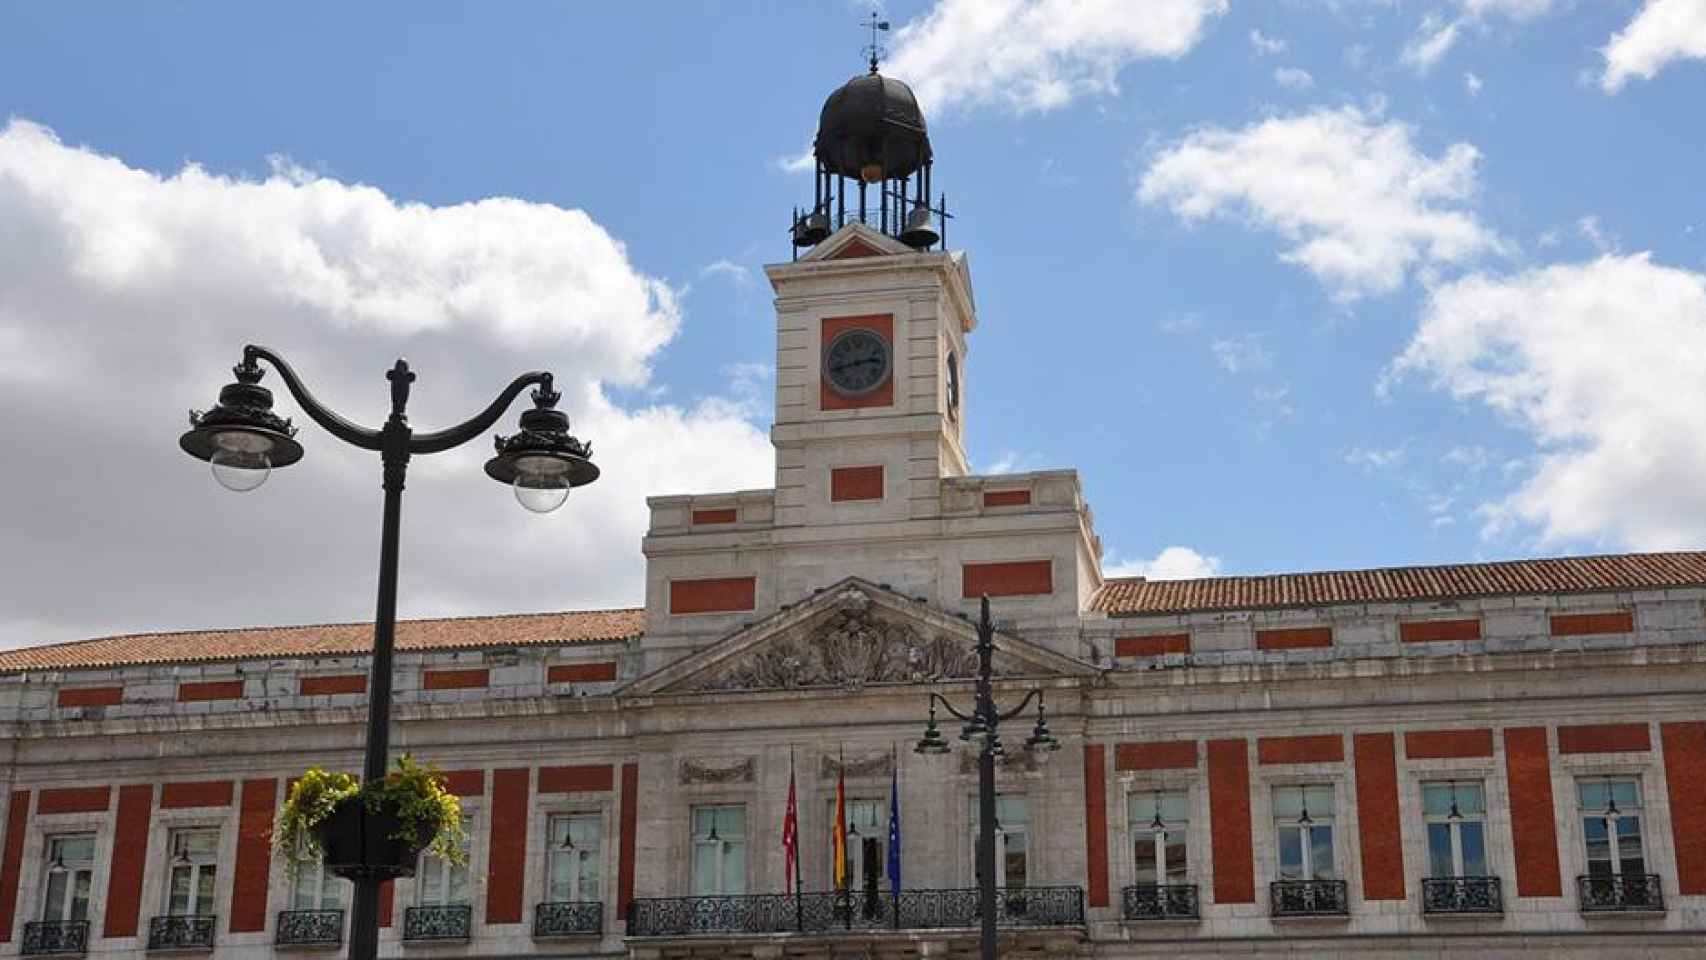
x=794 y=836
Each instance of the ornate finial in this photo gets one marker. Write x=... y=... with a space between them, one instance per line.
x=874 y=51
x=400 y=376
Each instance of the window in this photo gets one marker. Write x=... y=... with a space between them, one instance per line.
x=1456 y=815
x=1611 y=826
x=313 y=888
x=194 y=866
x=573 y=861
x=867 y=845
x=70 y=875
x=1158 y=828
x=1012 y=833
x=440 y=883
x=719 y=850
x=1303 y=826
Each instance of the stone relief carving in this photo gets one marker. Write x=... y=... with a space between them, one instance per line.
x=738 y=771
x=869 y=765
x=851 y=647
x=1011 y=759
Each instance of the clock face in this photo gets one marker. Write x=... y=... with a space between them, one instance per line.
x=953 y=387
x=857 y=361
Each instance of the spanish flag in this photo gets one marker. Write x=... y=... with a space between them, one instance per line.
x=838 y=834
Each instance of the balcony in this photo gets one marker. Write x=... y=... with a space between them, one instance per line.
x=183 y=931
x=1309 y=898
x=1148 y=901
x=1621 y=893
x=447 y=922
x=52 y=936
x=1462 y=896
x=579 y=918
x=310 y=928
x=817 y=913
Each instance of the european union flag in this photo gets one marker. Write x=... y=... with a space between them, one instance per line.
x=894 y=828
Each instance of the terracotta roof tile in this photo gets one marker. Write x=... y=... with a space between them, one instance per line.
x=337 y=639
x=1136 y=596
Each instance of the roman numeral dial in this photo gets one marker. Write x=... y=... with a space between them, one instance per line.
x=857 y=361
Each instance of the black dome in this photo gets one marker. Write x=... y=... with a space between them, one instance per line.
x=872 y=119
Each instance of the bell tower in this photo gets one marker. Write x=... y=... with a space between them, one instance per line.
x=872 y=323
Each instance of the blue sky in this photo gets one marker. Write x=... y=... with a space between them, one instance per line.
x=1294 y=285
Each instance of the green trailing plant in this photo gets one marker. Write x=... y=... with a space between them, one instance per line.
x=430 y=815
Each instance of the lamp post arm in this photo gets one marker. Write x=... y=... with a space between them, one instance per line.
x=345 y=430
x=948 y=706
x=446 y=439
x=1010 y=714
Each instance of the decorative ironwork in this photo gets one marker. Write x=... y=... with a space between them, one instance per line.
x=1462 y=895
x=53 y=936
x=829 y=912
x=699 y=771
x=1172 y=901
x=304 y=928
x=446 y=922
x=182 y=932
x=1621 y=893
x=1309 y=898
x=570 y=918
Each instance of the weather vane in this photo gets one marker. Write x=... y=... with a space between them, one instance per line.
x=874 y=51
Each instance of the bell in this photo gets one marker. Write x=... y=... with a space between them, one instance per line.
x=811 y=230
x=920 y=232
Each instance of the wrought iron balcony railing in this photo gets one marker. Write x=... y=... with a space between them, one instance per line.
x=568 y=918
x=1309 y=898
x=447 y=922
x=55 y=936
x=310 y=928
x=1462 y=895
x=182 y=931
x=1149 y=901
x=1621 y=893
x=831 y=912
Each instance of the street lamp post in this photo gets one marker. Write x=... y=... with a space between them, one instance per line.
x=243 y=441
x=984 y=725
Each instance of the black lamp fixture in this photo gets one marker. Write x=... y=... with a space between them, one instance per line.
x=568 y=838
x=1158 y=825
x=1455 y=813
x=58 y=864
x=1041 y=741
x=932 y=743
x=1303 y=817
x=712 y=836
x=241 y=439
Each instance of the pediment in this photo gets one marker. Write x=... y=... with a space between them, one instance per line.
x=856 y=240
x=849 y=636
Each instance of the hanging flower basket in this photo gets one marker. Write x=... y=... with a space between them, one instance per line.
x=376 y=830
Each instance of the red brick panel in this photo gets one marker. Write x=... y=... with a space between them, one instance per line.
x=1583 y=624
x=1160 y=755
x=1605 y=738
x=603 y=671
x=1018 y=578
x=630 y=825
x=1377 y=816
x=715 y=595
x=91 y=697
x=1447 y=744
x=73 y=800
x=325 y=686
x=1323 y=748
x=1229 y=822
x=1440 y=631
x=856 y=483
x=506 y=853
x=1294 y=638
x=12 y=862
x=1096 y=821
x=704 y=518
x=254 y=856
x=856 y=248
x=1534 y=831
x=465 y=783
x=882 y=396
x=387 y=901
x=470 y=679
x=1685 y=779
x=130 y=852
x=196 y=793
x=1006 y=498
x=210 y=690
x=589 y=777
x=1153 y=645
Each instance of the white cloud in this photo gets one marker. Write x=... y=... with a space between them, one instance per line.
x=1014 y=461
x=802 y=162
x=1293 y=78
x=1266 y=44
x=1591 y=231
x=1663 y=32
x=1515 y=9
x=1242 y=354
x=1359 y=204
x=1472 y=83
x=740 y=275
x=1375 y=458
x=1038 y=54
x=1173 y=563
x=1603 y=365
x=1434 y=39
x=147 y=286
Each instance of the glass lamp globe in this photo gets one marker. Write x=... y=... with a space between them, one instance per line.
x=241 y=461
x=541 y=483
